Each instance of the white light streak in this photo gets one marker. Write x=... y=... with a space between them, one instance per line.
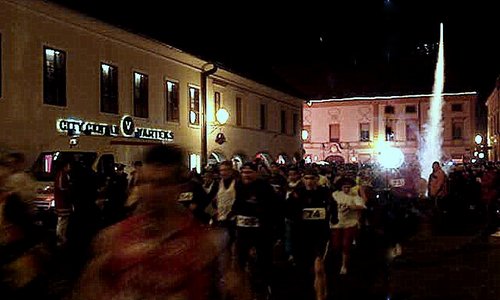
x=387 y=97
x=432 y=140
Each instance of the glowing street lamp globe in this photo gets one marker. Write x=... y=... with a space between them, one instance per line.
x=478 y=139
x=222 y=116
x=391 y=158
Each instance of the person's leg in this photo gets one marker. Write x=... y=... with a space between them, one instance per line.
x=337 y=241
x=61 y=229
x=289 y=239
x=348 y=237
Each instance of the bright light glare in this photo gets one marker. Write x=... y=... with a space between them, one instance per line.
x=222 y=116
x=481 y=155
x=192 y=117
x=195 y=162
x=430 y=149
x=305 y=134
x=391 y=158
x=478 y=139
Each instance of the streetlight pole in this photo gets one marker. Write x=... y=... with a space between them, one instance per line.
x=207 y=70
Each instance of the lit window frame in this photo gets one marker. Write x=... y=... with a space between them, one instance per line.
x=54 y=89
x=194 y=105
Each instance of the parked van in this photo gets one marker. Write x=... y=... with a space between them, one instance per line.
x=102 y=153
x=48 y=163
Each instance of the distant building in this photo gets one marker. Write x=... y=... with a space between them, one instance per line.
x=493 y=137
x=64 y=74
x=348 y=130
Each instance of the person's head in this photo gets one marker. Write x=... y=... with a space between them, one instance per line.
x=310 y=177
x=435 y=166
x=163 y=163
x=226 y=170
x=346 y=184
x=293 y=174
x=248 y=172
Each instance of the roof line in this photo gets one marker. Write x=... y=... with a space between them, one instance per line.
x=387 y=97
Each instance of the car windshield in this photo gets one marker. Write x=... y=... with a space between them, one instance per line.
x=48 y=163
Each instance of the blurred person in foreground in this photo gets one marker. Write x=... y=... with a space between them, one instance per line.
x=161 y=251
x=17 y=180
x=22 y=250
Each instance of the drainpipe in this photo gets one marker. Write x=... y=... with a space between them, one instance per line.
x=207 y=70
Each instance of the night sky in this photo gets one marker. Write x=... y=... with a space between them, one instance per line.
x=327 y=50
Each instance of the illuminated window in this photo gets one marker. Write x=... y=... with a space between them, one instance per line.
x=194 y=106
x=306 y=134
x=283 y=121
x=172 y=98
x=141 y=95
x=54 y=77
x=195 y=162
x=364 y=132
x=109 y=89
x=238 y=111
x=334 y=132
x=389 y=132
x=47 y=163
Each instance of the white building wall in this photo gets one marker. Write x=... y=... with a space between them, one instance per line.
x=30 y=125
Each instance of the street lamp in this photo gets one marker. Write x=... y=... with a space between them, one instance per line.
x=206 y=70
x=222 y=116
x=478 y=139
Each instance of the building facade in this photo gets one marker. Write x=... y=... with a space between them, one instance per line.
x=349 y=130
x=67 y=79
x=493 y=127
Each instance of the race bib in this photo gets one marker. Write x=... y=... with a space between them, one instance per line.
x=244 y=221
x=188 y=196
x=317 y=213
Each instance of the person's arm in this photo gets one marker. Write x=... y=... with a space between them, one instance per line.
x=358 y=204
x=333 y=209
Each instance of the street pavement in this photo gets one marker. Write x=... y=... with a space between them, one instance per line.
x=451 y=261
